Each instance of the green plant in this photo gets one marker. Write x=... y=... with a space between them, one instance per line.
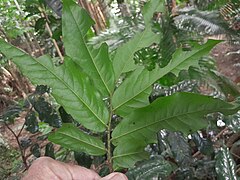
x=9 y=161
x=40 y=116
x=11 y=17
x=85 y=85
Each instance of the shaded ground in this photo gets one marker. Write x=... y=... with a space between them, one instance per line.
x=11 y=165
x=228 y=60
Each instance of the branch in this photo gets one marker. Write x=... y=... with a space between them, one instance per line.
x=19 y=145
x=44 y=15
x=214 y=139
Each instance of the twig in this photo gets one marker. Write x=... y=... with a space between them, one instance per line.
x=44 y=15
x=220 y=133
x=19 y=145
x=109 y=153
x=238 y=170
x=25 y=34
x=214 y=139
x=196 y=154
x=6 y=72
x=19 y=133
x=235 y=155
x=28 y=37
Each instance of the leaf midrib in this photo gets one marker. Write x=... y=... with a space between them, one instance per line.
x=77 y=96
x=156 y=122
x=158 y=78
x=127 y=154
x=63 y=82
x=99 y=74
x=81 y=141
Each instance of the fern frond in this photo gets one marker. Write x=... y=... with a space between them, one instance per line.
x=210 y=4
x=204 y=23
x=207 y=23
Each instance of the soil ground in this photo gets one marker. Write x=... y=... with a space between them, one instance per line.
x=228 y=60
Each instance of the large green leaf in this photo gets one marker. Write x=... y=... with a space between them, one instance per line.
x=71 y=88
x=179 y=112
x=94 y=62
x=123 y=60
x=73 y=138
x=135 y=90
x=225 y=165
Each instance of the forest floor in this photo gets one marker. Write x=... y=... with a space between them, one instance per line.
x=227 y=61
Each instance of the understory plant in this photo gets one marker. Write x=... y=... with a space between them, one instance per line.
x=109 y=97
x=40 y=118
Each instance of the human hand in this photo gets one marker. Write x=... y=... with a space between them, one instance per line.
x=45 y=168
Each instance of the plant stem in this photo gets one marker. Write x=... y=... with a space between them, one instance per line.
x=19 y=144
x=214 y=139
x=109 y=153
x=220 y=134
x=21 y=130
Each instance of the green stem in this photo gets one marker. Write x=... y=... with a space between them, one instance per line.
x=109 y=153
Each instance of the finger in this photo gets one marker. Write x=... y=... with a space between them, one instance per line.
x=42 y=169
x=115 y=176
x=46 y=168
x=80 y=173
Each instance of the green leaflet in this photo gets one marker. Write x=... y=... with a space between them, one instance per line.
x=134 y=94
x=73 y=138
x=225 y=165
x=127 y=153
x=134 y=91
x=179 y=112
x=123 y=61
x=94 y=62
x=71 y=88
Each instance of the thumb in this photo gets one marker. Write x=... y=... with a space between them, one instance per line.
x=115 y=176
